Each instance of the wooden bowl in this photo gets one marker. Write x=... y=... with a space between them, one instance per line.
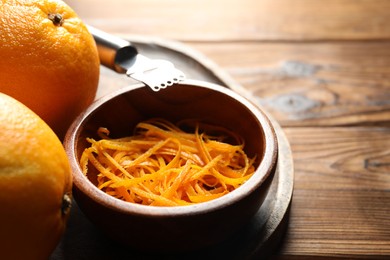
x=183 y=227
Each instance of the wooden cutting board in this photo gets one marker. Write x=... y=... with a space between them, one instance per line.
x=259 y=238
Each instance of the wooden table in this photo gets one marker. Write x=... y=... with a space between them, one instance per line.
x=322 y=69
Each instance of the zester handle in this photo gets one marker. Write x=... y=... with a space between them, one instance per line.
x=113 y=51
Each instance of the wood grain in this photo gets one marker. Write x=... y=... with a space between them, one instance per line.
x=240 y=20
x=342 y=195
x=312 y=84
x=322 y=69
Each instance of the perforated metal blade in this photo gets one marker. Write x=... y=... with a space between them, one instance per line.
x=157 y=74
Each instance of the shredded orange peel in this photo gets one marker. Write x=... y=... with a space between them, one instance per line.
x=161 y=165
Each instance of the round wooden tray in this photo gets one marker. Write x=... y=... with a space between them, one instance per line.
x=258 y=238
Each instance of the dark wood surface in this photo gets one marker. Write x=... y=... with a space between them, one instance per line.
x=258 y=238
x=322 y=70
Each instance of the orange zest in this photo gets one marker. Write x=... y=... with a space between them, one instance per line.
x=162 y=165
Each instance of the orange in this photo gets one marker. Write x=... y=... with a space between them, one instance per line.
x=49 y=60
x=35 y=184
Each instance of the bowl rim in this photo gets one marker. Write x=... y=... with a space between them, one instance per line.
x=263 y=171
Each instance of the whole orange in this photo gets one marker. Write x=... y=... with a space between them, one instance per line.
x=35 y=184
x=49 y=60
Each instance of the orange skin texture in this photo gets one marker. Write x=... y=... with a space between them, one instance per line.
x=52 y=69
x=34 y=176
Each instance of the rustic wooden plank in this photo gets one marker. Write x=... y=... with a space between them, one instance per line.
x=240 y=19
x=341 y=192
x=314 y=65
x=301 y=83
x=312 y=84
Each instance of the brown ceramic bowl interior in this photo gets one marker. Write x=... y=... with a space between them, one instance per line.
x=184 y=227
